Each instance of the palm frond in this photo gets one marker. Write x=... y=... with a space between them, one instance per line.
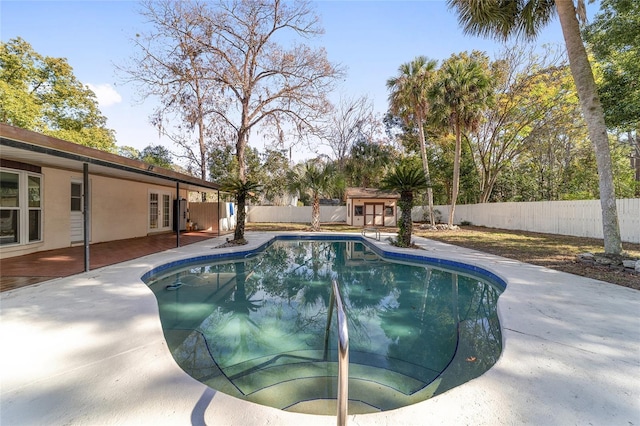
x=504 y=19
x=404 y=179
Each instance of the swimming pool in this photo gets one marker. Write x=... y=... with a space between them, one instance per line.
x=254 y=326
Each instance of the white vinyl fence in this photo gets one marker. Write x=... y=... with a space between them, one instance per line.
x=578 y=218
x=292 y=214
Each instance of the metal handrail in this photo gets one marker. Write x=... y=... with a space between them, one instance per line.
x=343 y=357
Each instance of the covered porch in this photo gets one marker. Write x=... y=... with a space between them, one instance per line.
x=65 y=205
x=20 y=271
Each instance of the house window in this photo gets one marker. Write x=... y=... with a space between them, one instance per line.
x=388 y=211
x=358 y=210
x=76 y=197
x=20 y=207
x=35 y=208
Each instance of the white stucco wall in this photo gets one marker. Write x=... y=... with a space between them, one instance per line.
x=120 y=209
x=56 y=214
x=117 y=211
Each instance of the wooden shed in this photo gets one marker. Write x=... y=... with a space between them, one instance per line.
x=369 y=207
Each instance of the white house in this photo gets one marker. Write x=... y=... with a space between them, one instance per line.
x=55 y=194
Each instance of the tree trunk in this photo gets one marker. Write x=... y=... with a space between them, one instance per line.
x=315 y=213
x=406 y=224
x=243 y=140
x=240 y=146
x=238 y=234
x=241 y=143
x=203 y=154
x=201 y=133
x=634 y=140
x=425 y=168
x=456 y=174
x=594 y=117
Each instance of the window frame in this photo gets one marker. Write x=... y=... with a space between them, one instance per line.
x=26 y=208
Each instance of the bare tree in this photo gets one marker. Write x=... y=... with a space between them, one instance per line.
x=351 y=120
x=171 y=66
x=229 y=60
x=269 y=83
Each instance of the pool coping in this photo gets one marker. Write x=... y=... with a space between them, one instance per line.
x=394 y=254
x=571 y=349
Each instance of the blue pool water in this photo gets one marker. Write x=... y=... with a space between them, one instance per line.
x=255 y=327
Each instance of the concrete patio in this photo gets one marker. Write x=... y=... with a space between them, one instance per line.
x=88 y=349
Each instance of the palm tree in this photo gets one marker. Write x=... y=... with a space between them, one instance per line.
x=461 y=91
x=241 y=190
x=409 y=101
x=503 y=19
x=314 y=180
x=406 y=180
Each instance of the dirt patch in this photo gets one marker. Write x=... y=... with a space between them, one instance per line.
x=233 y=243
x=557 y=252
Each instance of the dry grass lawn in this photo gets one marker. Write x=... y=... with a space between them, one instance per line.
x=552 y=251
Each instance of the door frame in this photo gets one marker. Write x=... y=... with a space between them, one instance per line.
x=374 y=214
x=164 y=210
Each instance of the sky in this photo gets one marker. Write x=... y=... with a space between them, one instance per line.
x=370 y=38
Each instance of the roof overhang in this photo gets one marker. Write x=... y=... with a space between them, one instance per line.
x=370 y=193
x=45 y=151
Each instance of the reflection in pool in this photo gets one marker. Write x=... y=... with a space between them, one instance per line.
x=255 y=327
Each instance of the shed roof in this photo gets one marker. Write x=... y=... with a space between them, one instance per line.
x=42 y=150
x=360 y=192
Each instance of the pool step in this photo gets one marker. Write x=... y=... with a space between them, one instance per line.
x=267 y=377
x=297 y=387
x=302 y=381
x=318 y=395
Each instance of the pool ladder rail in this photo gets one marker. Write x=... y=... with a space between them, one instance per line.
x=343 y=352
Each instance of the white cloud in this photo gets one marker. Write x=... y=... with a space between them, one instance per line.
x=106 y=94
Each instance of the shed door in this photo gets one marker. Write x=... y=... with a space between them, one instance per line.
x=374 y=214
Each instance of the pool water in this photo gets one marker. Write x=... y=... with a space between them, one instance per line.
x=256 y=327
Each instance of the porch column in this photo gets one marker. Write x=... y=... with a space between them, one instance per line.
x=86 y=215
x=218 y=213
x=177 y=214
